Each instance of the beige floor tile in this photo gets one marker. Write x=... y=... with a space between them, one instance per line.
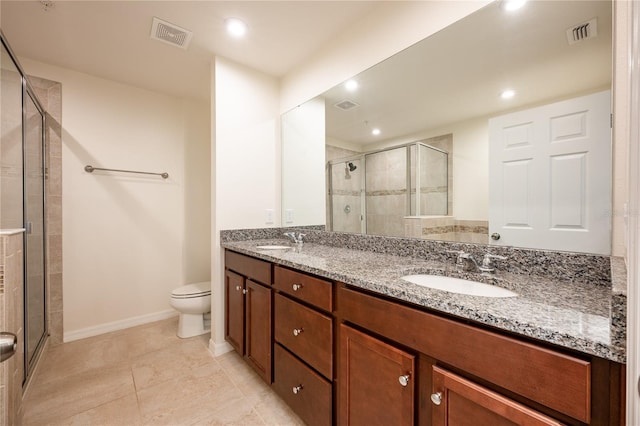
x=174 y=362
x=189 y=400
x=80 y=356
x=71 y=395
x=274 y=411
x=122 y=411
x=151 y=337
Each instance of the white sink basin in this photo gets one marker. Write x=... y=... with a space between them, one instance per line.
x=273 y=247
x=457 y=285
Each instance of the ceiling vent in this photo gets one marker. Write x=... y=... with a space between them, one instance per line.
x=171 y=34
x=583 y=31
x=346 y=105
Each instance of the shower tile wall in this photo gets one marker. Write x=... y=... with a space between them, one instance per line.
x=448 y=228
x=386 y=192
x=346 y=202
x=11 y=147
x=11 y=312
x=346 y=193
x=50 y=95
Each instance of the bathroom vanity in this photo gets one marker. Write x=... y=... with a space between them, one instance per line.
x=344 y=340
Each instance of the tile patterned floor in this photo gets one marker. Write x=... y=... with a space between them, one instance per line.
x=148 y=376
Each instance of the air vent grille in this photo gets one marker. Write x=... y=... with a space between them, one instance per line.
x=346 y=105
x=171 y=34
x=583 y=31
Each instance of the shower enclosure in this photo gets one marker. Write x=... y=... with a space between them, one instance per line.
x=374 y=192
x=22 y=193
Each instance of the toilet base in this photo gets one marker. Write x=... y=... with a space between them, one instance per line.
x=191 y=325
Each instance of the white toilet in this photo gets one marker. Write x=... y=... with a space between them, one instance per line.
x=193 y=301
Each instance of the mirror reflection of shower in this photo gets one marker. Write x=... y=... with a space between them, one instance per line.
x=396 y=184
x=348 y=168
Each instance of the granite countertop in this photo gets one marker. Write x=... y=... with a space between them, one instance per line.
x=575 y=315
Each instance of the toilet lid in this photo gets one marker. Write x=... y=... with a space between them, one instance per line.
x=191 y=290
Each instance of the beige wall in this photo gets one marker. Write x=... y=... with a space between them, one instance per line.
x=246 y=165
x=125 y=236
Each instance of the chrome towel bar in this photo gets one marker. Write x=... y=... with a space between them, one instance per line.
x=90 y=169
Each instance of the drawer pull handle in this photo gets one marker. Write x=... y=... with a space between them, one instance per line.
x=404 y=380
x=297 y=389
x=296 y=287
x=297 y=331
x=436 y=398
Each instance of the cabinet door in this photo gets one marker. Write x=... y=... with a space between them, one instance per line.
x=234 y=311
x=460 y=402
x=258 y=328
x=376 y=381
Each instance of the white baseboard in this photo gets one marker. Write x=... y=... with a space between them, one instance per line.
x=218 y=349
x=117 y=325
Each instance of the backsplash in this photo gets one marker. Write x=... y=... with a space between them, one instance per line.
x=577 y=267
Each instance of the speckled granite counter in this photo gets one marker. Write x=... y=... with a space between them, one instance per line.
x=578 y=315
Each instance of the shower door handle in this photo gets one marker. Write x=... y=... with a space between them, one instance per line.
x=8 y=345
x=28 y=227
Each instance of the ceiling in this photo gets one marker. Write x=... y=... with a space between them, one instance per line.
x=111 y=39
x=458 y=73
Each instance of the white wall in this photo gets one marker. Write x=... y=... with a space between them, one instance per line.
x=303 y=179
x=387 y=29
x=246 y=158
x=124 y=235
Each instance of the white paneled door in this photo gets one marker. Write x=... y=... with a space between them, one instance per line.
x=550 y=176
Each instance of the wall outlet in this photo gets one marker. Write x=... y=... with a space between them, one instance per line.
x=268 y=216
x=288 y=216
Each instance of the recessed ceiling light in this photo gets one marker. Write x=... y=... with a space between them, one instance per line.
x=375 y=131
x=236 y=27
x=510 y=5
x=351 y=85
x=507 y=94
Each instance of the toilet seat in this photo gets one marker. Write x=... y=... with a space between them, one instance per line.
x=192 y=290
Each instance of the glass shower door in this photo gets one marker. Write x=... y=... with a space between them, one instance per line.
x=34 y=219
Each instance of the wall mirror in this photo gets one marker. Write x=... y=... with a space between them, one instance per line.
x=407 y=146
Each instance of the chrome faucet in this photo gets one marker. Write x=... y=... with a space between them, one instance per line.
x=296 y=238
x=467 y=263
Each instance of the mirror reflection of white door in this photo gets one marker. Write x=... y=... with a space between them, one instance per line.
x=550 y=176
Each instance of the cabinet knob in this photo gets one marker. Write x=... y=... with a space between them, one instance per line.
x=297 y=331
x=296 y=287
x=404 y=380
x=297 y=389
x=244 y=291
x=436 y=398
x=238 y=288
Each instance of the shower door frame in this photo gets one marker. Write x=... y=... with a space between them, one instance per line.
x=30 y=362
x=27 y=90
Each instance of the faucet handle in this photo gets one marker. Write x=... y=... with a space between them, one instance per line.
x=487 y=262
x=301 y=236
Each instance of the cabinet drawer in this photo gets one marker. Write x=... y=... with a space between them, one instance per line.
x=304 y=287
x=305 y=332
x=305 y=391
x=553 y=379
x=256 y=269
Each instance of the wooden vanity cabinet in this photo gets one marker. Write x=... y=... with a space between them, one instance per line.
x=474 y=374
x=461 y=402
x=376 y=380
x=303 y=348
x=248 y=310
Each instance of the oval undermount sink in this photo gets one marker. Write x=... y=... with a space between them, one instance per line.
x=273 y=247
x=458 y=285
